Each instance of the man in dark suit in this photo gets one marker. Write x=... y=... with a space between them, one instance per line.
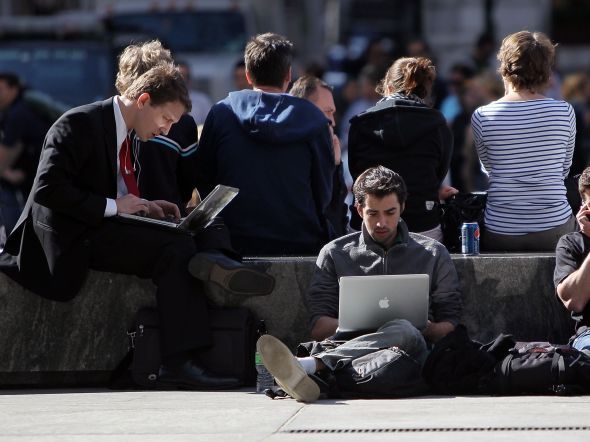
x=68 y=225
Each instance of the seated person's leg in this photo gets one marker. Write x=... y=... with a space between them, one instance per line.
x=582 y=342
x=287 y=370
x=182 y=305
x=397 y=333
x=291 y=373
x=216 y=237
x=217 y=263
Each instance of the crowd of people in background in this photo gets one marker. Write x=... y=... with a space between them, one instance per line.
x=379 y=86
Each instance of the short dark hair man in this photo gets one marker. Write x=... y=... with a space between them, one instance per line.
x=384 y=246
x=572 y=267
x=68 y=226
x=277 y=149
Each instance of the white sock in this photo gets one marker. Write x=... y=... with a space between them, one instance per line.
x=309 y=364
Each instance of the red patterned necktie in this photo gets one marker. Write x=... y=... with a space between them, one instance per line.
x=126 y=167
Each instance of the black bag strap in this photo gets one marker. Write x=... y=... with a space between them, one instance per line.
x=558 y=368
x=120 y=376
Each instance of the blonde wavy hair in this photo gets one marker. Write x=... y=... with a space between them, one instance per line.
x=137 y=59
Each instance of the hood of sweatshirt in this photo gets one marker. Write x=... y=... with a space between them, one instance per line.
x=400 y=123
x=276 y=118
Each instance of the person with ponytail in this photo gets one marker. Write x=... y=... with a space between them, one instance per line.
x=404 y=133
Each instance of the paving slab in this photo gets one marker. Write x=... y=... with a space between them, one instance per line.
x=103 y=415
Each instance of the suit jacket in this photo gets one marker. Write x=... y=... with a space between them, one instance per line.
x=76 y=173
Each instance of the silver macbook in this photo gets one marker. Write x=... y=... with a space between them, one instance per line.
x=368 y=302
x=201 y=216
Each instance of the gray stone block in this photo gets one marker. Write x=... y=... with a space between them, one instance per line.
x=512 y=294
x=81 y=341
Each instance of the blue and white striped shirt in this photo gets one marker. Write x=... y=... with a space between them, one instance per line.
x=526 y=149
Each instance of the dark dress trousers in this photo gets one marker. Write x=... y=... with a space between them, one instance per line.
x=63 y=232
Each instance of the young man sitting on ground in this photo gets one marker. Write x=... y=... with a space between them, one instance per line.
x=384 y=246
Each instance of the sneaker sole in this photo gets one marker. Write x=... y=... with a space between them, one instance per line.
x=281 y=363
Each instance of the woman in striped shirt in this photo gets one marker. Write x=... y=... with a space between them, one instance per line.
x=525 y=142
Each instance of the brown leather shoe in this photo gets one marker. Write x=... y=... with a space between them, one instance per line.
x=230 y=275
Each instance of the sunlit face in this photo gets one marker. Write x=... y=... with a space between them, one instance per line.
x=325 y=101
x=152 y=121
x=381 y=217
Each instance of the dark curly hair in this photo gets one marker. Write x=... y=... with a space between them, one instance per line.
x=379 y=181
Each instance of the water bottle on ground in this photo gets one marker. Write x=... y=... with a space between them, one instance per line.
x=264 y=380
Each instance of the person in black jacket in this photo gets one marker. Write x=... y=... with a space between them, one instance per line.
x=165 y=164
x=21 y=137
x=69 y=224
x=403 y=133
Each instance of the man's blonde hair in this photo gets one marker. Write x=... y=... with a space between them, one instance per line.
x=137 y=59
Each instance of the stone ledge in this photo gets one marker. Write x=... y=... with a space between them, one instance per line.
x=81 y=341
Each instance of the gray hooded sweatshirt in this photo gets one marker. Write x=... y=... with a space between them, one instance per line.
x=357 y=254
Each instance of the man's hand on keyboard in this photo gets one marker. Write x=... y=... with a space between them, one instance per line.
x=160 y=209
x=131 y=204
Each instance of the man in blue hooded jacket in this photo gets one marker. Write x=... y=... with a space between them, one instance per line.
x=277 y=149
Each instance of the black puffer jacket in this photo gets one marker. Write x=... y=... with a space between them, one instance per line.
x=411 y=139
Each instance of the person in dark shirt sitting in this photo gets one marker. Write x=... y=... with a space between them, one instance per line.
x=404 y=133
x=572 y=268
x=21 y=137
x=320 y=93
x=165 y=168
x=277 y=149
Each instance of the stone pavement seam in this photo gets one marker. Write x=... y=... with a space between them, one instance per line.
x=290 y=419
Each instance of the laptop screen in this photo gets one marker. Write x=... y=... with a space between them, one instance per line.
x=368 y=302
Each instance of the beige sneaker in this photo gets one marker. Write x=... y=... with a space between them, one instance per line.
x=286 y=369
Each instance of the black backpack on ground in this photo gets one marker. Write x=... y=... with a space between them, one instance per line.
x=231 y=354
x=374 y=375
x=377 y=375
x=459 y=365
x=541 y=368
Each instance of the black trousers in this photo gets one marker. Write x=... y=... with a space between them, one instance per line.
x=133 y=249
x=162 y=256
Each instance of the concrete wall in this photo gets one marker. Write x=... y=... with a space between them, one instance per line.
x=80 y=342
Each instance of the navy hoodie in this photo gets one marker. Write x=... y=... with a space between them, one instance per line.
x=277 y=150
